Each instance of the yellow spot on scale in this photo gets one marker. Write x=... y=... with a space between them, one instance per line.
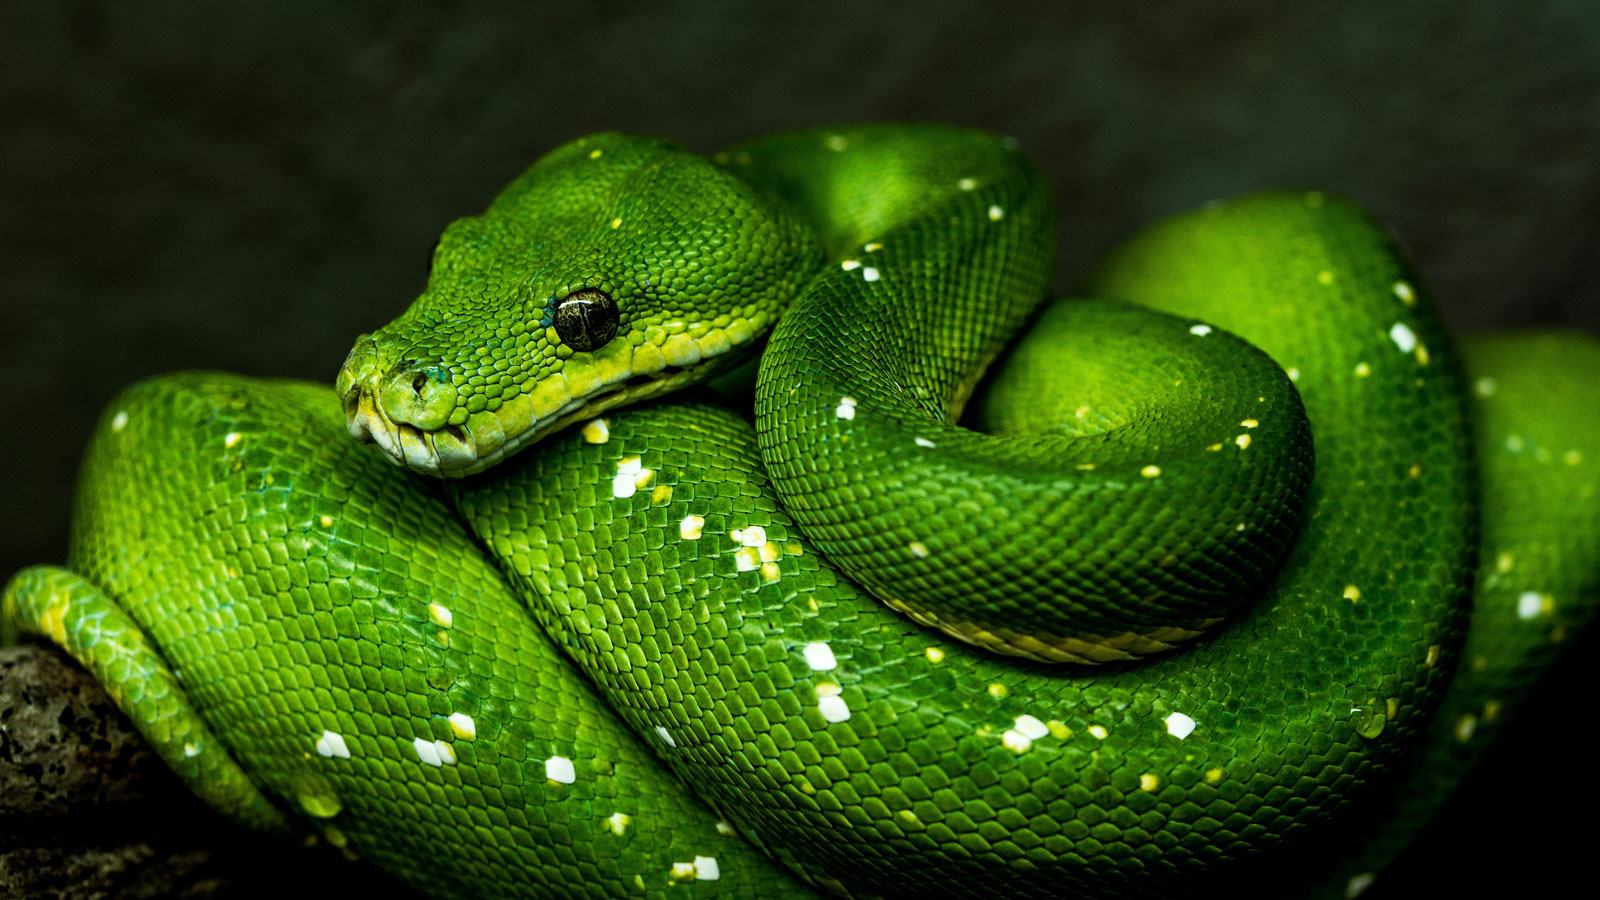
x=1099 y=731
x=1058 y=729
x=617 y=823
x=682 y=872
x=934 y=655
x=1150 y=471
x=1085 y=467
x=1404 y=291
x=918 y=549
x=326 y=520
x=1415 y=470
x=691 y=528
x=1485 y=387
x=1465 y=726
x=1242 y=440
x=1491 y=710
x=770 y=573
x=1148 y=782
x=661 y=496
x=1503 y=563
x=1572 y=457
x=1325 y=277
x=967 y=184
x=1213 y=776
x=1433 y=656
x=1250 y=423
x=873 y=247
x=1391 y=709
x=617 y=222
x=1214 y=447
x=998 y=690
x=1352 y=593
x=232 y=439
x=1363 y=370
x=594 y=154
x=996 y=213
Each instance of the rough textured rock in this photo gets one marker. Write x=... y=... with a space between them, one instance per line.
x=88 y=812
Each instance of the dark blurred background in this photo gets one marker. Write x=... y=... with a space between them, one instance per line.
x=215 y=186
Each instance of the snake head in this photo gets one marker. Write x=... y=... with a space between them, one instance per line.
x=616 y=269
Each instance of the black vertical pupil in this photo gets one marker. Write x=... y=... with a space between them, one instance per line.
x=586 y=319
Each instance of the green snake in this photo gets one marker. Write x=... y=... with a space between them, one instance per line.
x=1153 y=610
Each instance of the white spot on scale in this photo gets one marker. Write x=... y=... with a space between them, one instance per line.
x=1179 y=725
x=967 y=184
x=560 y=769
x=597 y=431
x=753 y=536
x=665 y=735
x=705 y=868
x=850 y=265
x=819 y=656
x=1201 y=330
x=1030 y=727
x=924 y=442
x=996 y=213
x=617 y=823
x=119 y=421
x=830 y=704
x=691 y=527
x=846 y=409
x=836 y=142
x=440 y=615
x=1015 y=741
x=918 y=549
x=1485 y=387
x=463 y=727
x=332 y=744
x=1358 y=885
x=232 y=439
x=1529 y=605
x=1242 y=440
x=427 y=751
x=190 y=749
x=869 y=274
x=1403 y=337
x=1404 y=291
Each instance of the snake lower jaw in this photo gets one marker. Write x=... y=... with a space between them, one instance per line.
x=456 y=451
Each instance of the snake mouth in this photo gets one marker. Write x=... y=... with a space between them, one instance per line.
x=488 y=437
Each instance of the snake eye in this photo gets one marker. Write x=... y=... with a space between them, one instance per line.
x=586 y=319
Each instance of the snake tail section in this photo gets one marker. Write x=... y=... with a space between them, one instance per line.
x=332 y=622
x=69 y=611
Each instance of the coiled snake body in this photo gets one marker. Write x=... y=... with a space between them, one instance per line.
x=315 y=638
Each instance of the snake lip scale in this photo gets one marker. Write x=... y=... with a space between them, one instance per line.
x=453 y=451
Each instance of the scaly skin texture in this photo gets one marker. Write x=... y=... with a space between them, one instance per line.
x=325 y=622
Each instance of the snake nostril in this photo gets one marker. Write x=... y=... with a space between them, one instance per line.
x=418 y=382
